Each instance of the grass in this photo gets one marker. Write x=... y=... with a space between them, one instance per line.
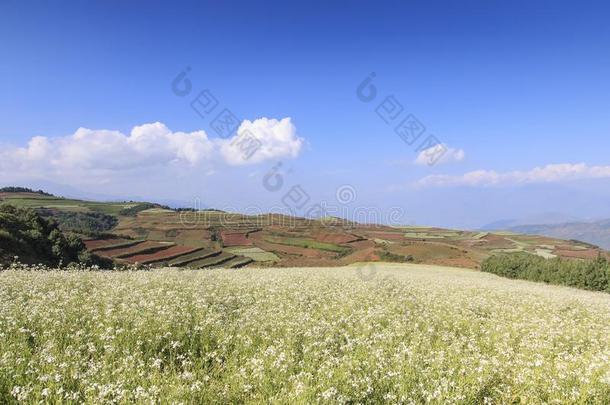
x=423 y=235
x=510 y=250
x=307 y=243
x=143 y=248
x=255 y=253
x=211 y=261
x=363 y=334
x=237 y=262
x=193 y=257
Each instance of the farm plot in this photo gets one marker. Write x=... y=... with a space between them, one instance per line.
x=423 y=235
x=237 y=262
x=391 y=236
x=164 y=255
x=99 y=244
x=335 y=237
x=434 y=253
x=256 y=254
x=186 y=259
x=546 y=253
x=212 y=261
x=123 y=244
x=137 y=249
x=231 y=238
x=577 y=254
x=307 y=243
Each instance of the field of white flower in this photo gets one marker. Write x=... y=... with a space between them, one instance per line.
x=398 y=334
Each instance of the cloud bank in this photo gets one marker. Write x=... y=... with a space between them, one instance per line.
x=552 y=173
x=90 y=152
x=447 y=155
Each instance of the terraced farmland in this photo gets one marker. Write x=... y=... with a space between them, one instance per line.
x=148 y=235
x=162 y=255
x=145 y=247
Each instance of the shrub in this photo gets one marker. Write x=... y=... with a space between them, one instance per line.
x=589 y=275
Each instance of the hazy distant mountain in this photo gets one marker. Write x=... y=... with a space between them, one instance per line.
x=546 y=218
x=597 y=232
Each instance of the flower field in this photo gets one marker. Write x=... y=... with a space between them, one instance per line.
x=378 y=333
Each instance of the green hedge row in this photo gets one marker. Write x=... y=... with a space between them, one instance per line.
x=586 y=274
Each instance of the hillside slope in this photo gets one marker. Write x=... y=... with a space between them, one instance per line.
x=148 y=233
x=26 y=236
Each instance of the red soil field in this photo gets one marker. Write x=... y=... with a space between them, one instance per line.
x=496 y=242
x=166 y=254
x=463 y=262
x=293 y=250
x=334 y=237
x=386 y=235
x=579 y=254
x=99 y=243
x=235 y=239
x=132 y=249
x=364 y=251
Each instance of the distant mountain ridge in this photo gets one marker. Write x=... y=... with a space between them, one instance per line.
x=596 y=232
x=546 y=218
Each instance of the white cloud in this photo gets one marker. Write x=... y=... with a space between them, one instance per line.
x=439 y=154
x=100 y=153
x=260 y=140
x=552 y=173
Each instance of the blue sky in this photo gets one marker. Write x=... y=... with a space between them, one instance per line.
x=508 y=87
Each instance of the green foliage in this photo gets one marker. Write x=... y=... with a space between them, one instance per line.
x=23 y=190
x=589 y=275
x=33 y=239
x=308 y=243
x=386 y=256
x=133 y=211
x=86 y=223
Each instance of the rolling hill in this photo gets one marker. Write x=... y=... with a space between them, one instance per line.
x=146 y=233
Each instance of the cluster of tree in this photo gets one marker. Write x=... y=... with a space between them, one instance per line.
x=32 y=239
x=133 y=211
x=84 y=223
x=195 y=209
x=386 y=256
x=23 y=190
x=586 y=274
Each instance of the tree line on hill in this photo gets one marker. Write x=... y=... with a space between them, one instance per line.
x=133 y=211
x=84 y=223
x=586 y=274
x=27 y=237
x=24 y=190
